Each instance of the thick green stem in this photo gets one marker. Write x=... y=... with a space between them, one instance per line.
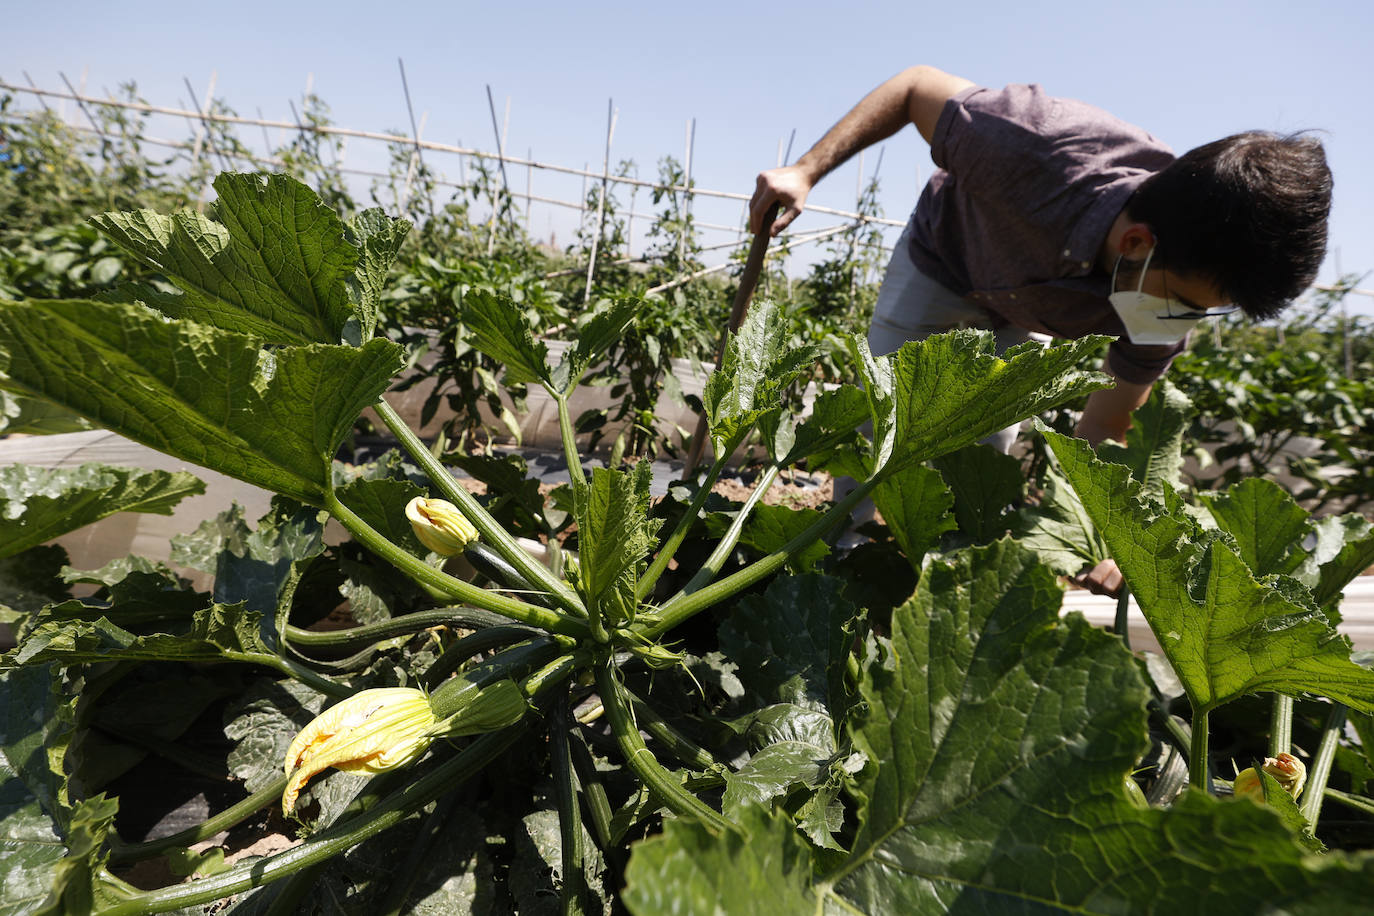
x=683 y=606
x=405 y=625
x=1358 y=802
x=1123 y=606
x=1320 y=770
x=299 y=672
x=229 y=817
x=330 y=842
x=1199 y=767
x=1281 y=726
x=683 y=748
x=642 y=761
x=470 y=645
x=455 y=589
x=717 y=559
x=569 y=814
x=594 y=795
x=669 y=547
x=492 y=533
x=565 y=429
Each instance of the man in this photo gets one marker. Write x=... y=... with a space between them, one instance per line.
x=1051 y=216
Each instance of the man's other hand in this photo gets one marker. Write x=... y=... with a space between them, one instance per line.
x=786 y=186
x=1103 y=579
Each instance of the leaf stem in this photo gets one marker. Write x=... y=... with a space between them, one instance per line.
x=642 y=761
x=1281 y=725
x=683 y=748
x=453 y=588
x=727 y=543
x=404 y=625
x=569 y=437
x=683 y=606
x=1123 y=606
x=646 y=583
x=229 y=817
x=569 y=814
x=501 y=541
x=1320 y=770
x=481 y=641
x=1199 y=767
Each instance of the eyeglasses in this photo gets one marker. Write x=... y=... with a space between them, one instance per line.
x=1189 y=313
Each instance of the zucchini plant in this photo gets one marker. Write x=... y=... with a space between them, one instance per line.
x=661 y=720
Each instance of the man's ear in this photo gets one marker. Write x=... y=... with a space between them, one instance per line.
x=1136 y=241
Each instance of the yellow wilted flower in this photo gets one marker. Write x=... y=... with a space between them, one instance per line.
x=1290 y=772
x=370 y=732
x=440 y=526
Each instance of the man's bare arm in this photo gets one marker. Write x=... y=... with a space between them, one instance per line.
x=914 y=96
x=1108 y=411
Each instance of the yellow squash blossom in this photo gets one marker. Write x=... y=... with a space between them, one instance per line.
x=440 y=526
x=370 y=732
x=1290 y=772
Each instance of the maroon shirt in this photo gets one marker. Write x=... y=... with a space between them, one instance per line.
x=1027 y=189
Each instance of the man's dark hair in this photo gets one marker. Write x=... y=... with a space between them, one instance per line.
x=1247 y=212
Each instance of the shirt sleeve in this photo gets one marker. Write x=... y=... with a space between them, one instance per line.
x=1141 y=365
x=998 y=141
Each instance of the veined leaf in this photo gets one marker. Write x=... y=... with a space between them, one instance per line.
x=985 y=483
x=1224 y=633
x=763 y=869
x=498 y=327
x=596 y=334
x=998 y=737
x=275 y=266
x=207 y=396
x=915 y=503
x=1154 y=444
x=615 y=534
x=755 y=368
x=1267 y=524
x=950 y=390
x=378 y=239
x=1060 y=530
x=835 y=415
x=1345 y=549
x=39 y=504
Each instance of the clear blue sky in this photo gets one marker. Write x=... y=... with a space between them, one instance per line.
x=749 y=73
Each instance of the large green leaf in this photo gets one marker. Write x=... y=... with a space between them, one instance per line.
x=791 y=643
x=207 y=396
x=597 y=333
x=998 y=738
x=1344 y=550
x=39 y=504
x=1224 y=633
x=950 y=390
x=276 y=265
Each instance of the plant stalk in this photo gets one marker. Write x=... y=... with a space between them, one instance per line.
x=405 y=625
x=453 y=588
x=569 y=437
x=718 y=556
x=1281 y=726
x=1320 y=770
x=668 y=548
x=569 y=814
x=642 y=761
x=683 y=606
x=229 y=817
x=683 y=748
x=1199 y=766
x=492 y=532
x=470 y=645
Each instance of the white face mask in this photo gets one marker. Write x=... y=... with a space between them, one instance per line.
x=1149 y=320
